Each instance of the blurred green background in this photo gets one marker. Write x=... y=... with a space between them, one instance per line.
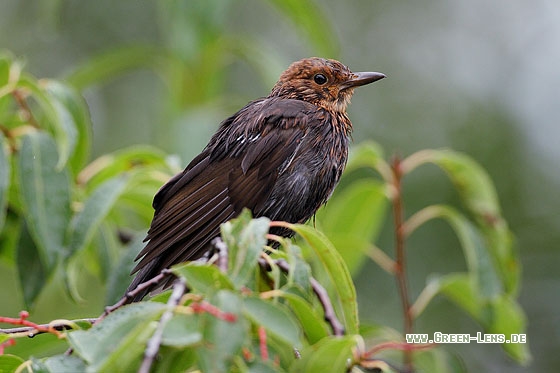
x=478 y=77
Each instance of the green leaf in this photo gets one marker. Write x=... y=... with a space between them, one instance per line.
x=500 y=315
x=10 y=72
x=120 y=328
x=45 y=193
x=5 y=63
x=245 y=239
x=31 y=271
x=9 y=238
x=95 y=209
x=223 y=339
x=259 y=366
x=275 y=318
x=331 y=265
x=9 y=363
x=307 y=16
x=507 y=317
x=111 y=165
x=331 y=354
x=5 y=176
x=479 y=196
x=353 y=219
x=64 y=364
x=106 y=65
x=203 y=278
x=56 y=119
x=73 y=110
x=172 y=360
x=312 y=324
x=300 y=272
x=479 y=261
x=182 y=331
x=119 y=276
x=460 y=288
x=366 y=154
x=126 y=356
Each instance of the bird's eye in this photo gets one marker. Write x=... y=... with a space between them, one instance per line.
x=320 y=79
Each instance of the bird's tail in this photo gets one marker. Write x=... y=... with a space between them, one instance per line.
x=147 y=273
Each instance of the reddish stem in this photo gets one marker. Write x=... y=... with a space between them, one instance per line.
x=23 y=315
x=203 y=307
x=400 y=272
x=262 y=343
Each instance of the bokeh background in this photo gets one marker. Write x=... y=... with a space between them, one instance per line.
x=476 y=76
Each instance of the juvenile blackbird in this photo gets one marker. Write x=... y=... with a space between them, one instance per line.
x=280 y=156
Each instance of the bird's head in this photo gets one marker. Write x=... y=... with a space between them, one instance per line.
x=322 y=82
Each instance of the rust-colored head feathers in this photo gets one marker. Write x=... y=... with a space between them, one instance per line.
x=322 y=82
x=279 y=156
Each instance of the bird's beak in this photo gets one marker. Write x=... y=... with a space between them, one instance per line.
x=362 y=78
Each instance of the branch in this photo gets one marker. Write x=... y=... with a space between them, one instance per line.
x=131 y=294
x=24 y=106
x=400 y=267
x=322 y=295
x=31 y=331
x=222 y=250
x=152 y=348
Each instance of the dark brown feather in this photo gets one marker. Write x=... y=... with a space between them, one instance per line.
x=279 y=156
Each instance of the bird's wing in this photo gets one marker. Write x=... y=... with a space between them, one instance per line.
x=237 y=169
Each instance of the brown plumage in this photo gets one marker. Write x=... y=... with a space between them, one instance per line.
x=280 y=156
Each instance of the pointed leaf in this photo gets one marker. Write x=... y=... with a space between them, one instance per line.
x=203 y=278
x=119 y=276
x=45 y=193
x=106 y=65
x=64 y=364
x=10 y=72
x=182 y=331
x=57 y=119
x=245 y=239
x=74 y=111
x=96 y=207
x=9 y=363
x=331 y=354
x=126 y=356
x=312 y=324
x=501 y=315
x=479 y=196
x=223 y=338
x=331 y=265
x=461 y=288
x=31 y=271
x=353 y=219
x=307 y=16
x=114 y=164
x=477 y=255
x=507 y=317
x=275 y=318
x=366 y=154
x=98 y=343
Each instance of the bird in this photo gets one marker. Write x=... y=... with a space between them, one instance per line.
x=279 y=156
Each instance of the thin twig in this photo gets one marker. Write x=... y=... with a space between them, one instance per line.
x=32 y=331
x=22 y=103
x=383 y=260
x=222 y=249
x=322 y=295
x=152 y=348
x=131 y=294
x=400 y=267
x=330 y=315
